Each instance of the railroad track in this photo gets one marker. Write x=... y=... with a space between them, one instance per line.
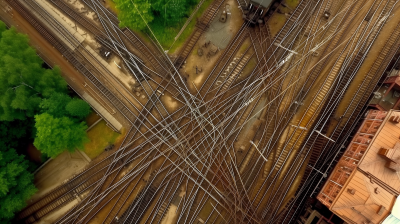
x=73 y=189
x=79 y=63
x=353 y=113
x=223 y=61
x=94 y=29
x=146 y=52
x=47 y=204
x=160 y=66
x=281 y=159
x=64 y=193
x=201 y=26
x=134 y=41
x=289 y=32
x=331 y=45
x=83 y=181
x=255 y=40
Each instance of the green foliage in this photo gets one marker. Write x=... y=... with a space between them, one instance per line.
x=11 y=133
x=55 y=105
x=134 y=13
x=27 y=89
x=171 y=11
x=166 y=19
x=54 y=135
x=78 y=108
x=16 y=183
x=60 y=105
x=3 y=27
x=23 y=81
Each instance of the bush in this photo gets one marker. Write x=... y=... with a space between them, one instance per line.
x=78 y=108
x=54 y=135
x=16 y=183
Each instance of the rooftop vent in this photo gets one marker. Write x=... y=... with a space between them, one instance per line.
x=394 y=119
x=351 y=191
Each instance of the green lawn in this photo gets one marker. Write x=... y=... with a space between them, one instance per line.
x=166 y=35
x=100 y=136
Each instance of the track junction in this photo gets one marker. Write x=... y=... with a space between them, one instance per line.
x=245 y=146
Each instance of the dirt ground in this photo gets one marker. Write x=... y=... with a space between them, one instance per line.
x=123 y=77
x=56 y=171
x=172 y=216
x=170 y=103
x=279 y=18
x=218 y=35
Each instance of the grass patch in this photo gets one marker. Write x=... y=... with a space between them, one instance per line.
x=292 y=3
x=111 y=5
x=195 y=50
x=100 y=136
x=249 y=67
x=166 y=35
x=91 y=118
x=276 y=22
x=244 y=46
x=284 y=9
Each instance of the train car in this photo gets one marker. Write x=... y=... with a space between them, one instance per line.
x=255 y=10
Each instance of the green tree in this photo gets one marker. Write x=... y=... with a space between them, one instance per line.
x=134 y=13
x=78 y=108
x=171 y=11
x=3 y=28
x=16 y=183
x=54 y=135
x=16 y=134
x=23 y=81
x=55 y=105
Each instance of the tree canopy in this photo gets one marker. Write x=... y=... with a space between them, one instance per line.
x=11 y=133
x=27 y=90
x=16 y=183
x=23 y=81
x=34 y=103
x=55 y=105
x=78 y=108
x=171 y=11
x=54 y=135
x=59 y=125
x=134 y=13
